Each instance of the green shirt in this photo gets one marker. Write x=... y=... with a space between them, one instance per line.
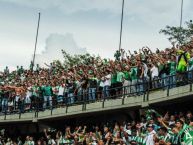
x=114 y=79
x=133 y=73
x=127 y=75
x=172 y=65
x=35 y=91
x=120 y=76
x=47 y=91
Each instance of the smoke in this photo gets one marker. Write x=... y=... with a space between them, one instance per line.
x=54 y=44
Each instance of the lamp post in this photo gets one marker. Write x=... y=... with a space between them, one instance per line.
x=34 y=55
x=121 y=25
x=181 y=19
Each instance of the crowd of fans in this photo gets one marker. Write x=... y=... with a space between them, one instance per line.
x=94 y=78
x=152 y=129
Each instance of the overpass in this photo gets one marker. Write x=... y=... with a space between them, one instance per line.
x=148 y=99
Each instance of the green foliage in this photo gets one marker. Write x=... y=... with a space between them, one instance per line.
x=180 y=35
x=74 y=60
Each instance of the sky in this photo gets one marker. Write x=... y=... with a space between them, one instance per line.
x=92 y=25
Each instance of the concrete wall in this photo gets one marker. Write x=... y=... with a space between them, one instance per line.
x=127 y=102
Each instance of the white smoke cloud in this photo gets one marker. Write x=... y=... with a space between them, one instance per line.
x=54 y=44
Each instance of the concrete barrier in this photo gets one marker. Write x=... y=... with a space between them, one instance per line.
x=154 y=97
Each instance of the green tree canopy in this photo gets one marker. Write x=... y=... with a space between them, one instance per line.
x=181 y=35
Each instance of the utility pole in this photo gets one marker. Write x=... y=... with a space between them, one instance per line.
x=34 y=55
x=121 y=25
x=181 y=19
x=181 y=16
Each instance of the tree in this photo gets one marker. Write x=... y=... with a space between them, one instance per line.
x=74 y=60
x=180 y=35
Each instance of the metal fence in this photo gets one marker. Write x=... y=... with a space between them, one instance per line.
x=140 y=87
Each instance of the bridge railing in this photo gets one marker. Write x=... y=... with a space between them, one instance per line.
x=141 y=87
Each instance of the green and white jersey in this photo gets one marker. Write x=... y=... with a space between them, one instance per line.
x=172 y=65
x=186 y=135
x=171 y=137
x=137 y=139
x=174 y=139
x=167 y=138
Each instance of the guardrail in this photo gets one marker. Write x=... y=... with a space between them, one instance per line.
x=141 y=87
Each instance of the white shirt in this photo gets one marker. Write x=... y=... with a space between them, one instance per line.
x=60 y=91
x=102 y=82
x=29 y=92
x=154 y=72
x=145 y=70
x=149 y=138
x=107 y=80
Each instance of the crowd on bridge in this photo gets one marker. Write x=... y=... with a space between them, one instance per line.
x=94 y=78
x=151 y=129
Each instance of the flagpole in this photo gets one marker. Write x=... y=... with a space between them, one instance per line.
x=34 y=55
x=121 y=25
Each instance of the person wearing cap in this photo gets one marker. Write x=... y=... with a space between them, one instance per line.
x=150 y=138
